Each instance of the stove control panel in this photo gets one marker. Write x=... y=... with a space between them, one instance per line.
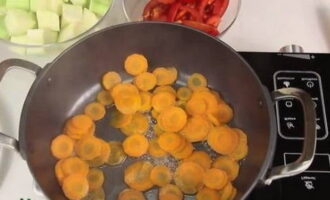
x=289 y=112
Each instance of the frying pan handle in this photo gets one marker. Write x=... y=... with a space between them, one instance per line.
x=309 y=145
x=5 y=66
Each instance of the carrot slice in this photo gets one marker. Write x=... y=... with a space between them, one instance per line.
x=119 y=120
x=217 y=96
x=161 y=175
x=110 y=79
x=207 y=194
x=165 y=88
x=170 y=141
x=155 y=150
x=59 y=172
x=75 y=187
x=172 y=119
x=128 y=104
x=215 y=178
x=170 y=192
x=188 y=177
x=74 y=165
x=145 y=81
x=184 y=93
x=131 y=194
x=165 y=75
x=95 y=179
x=223 y=139
x=158 y=131
x=154 y=113
x=135 y=145
x=78 y=126
x=123 y=89
x=196 y=129
x=196 y=80
x=103 y=157
x=98 y=194
x=138 y=125
x=62 y=146
x=221 y=114
x=196 y=106
x=233 y=194
x=88 y=148
x=184 y=152
x=145 y=101
x=104 y=98
x=136 y=64
x=162 y=100
x=226 y=192
x=95 y=110
x=201 y=158
x=117 y=155
x=227 y=164
x=137 y=175
x=242 y=148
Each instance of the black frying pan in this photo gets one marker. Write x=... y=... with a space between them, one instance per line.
x=63 y=87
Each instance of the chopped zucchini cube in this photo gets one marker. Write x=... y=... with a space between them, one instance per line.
x=21 y=4
x=2 y=3
x=3 y=10
x=39 y=37
x=79 y=2
x=19 y=40
x=3 y=30
x=55 y=6
x=48 y=20
x=18 y=21
x=71 y=14
x=89 y=19
x=68 y=32
x=36 y=5
x=99 y=7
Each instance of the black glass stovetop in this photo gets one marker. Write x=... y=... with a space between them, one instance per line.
x=310 y=72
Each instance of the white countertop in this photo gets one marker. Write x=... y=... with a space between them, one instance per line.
x=262 y=25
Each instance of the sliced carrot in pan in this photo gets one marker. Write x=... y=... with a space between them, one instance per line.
x=196 y=129
x=131 y=194
x=75 y=187
x=117 y=155
x=95 y=110
x=145 y=101
x=98 y=194
x=95 y=179
x=223 y=139
x=189 y=177
x=227 y=164
x=207 y=194
x=172 y=119
x=165 y=88
x=62 y=146
x=88 y=148
x=201 y=158
x=137 y=175
x=103 y=157
x=170 y=192
x=145 y=81
x=184 y=93
x=104 y=97
x=138 y=125
x=155 y=150
x=136 y=64
x=161 y=175
x=165 y=76
x=196 y=80
x=162 y=100
x=74 y=165
x=119 y=120
x=135 y=145
x=170 y=141
x=59 y=172
x=225 y=193
x=215 y=178
x=110 y=79
x=124 y=89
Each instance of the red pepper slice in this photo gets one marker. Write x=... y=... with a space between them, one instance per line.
x=166 y=1
x=213 y=20
x=201 y=26
x=188 y=1
x=220 y=7
x=159 y=11
x=172 y=13
x=202 y=5
x=194 y=13
x=148 y=8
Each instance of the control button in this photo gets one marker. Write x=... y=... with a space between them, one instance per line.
x=320 y=164
x=311 y=83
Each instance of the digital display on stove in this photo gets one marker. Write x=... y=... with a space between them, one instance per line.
x=310 y=72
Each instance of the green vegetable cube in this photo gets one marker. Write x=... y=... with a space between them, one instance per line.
x=2 y=3
x=100 y=7
x=71 y=14
x=3 y=30
x=89 y=19
x=3 y=10
x=55 y=6
x=21 y=4
x=79 y=2
x=19 y=40
x=36 y=5
x=68 y=32
x=48 y=20
x=18 y=21
x=39 y=37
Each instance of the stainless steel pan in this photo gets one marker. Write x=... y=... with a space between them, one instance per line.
x=63 y=87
